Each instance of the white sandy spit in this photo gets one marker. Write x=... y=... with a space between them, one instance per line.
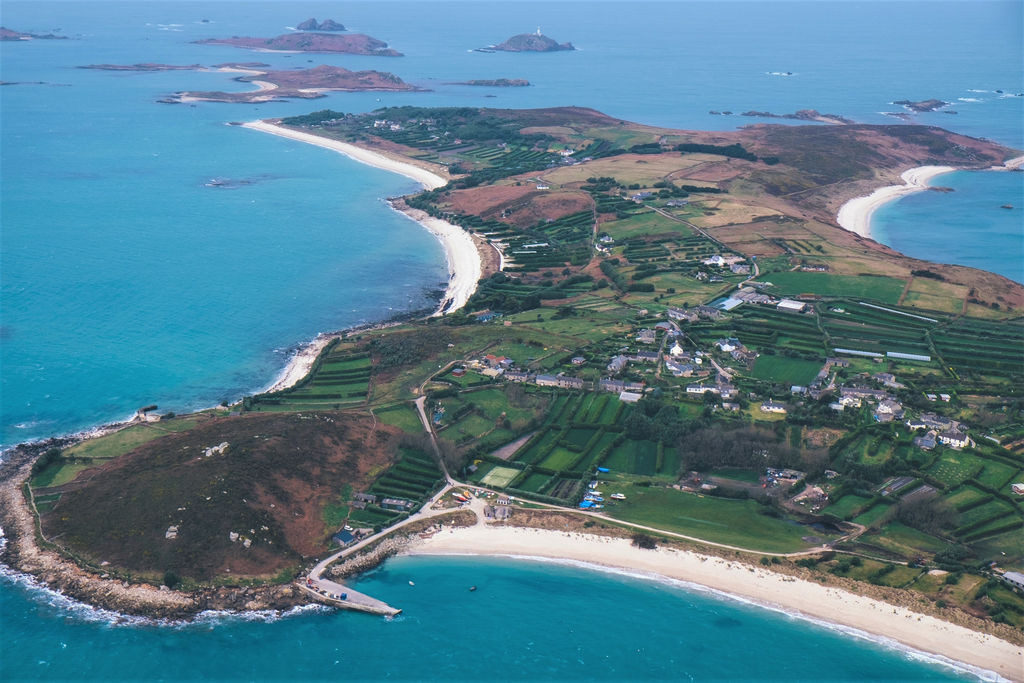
x=464 y=266
x=811 y=599
x=855 y=215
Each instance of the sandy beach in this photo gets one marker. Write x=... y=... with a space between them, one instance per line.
x=464 y=265
x=792 y=595
x=855 y=215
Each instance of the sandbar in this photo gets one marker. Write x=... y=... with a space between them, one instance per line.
x=855 y=215
x=920 y=632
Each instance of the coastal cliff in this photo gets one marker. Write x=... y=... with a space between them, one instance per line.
x=311 y=24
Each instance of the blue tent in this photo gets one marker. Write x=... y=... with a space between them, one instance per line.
x=586 y=504
x=603 y=469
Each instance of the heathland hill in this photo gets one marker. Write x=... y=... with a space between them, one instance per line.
x=237 y=496
x=325 y=25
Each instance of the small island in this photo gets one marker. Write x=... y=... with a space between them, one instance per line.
x=354 y=44
x=802 y=115
x=326 y=25
x=299 y=83
x=9 y=34
x=530 y=42
x=497 y=82
x=922 y=106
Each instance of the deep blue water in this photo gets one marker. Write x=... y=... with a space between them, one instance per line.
x=126 y=280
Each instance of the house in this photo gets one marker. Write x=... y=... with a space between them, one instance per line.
x=680 y=314
x=366 y=498
x=513 y=376
x=492 y=361
x=647 y=336
x=740 y=269
x=772 y=407
x=646 y=357
x=944 y=397
x=618 y=364
x=701 y=389
x=560 y=381
x=954 y=439
x=725 y=389
x=926 y=442
x=797 y=389
x=543 y=187
x=864 y=393
x=578 y=360
x=791 y=305
x=715 y=260
x=888 y=410
x=629 y=397
x=605 y=238
x=619 y=386
x=743 y=354
x=663 y=326
x=503 y=500
x=676 y=351
x=343 y=538
x=837 y=362
x=679 y=369
x=888 y=379
x=727 y=345
x=640 y=196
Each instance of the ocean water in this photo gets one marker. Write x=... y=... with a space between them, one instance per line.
x=527 y=620
x=126 y=280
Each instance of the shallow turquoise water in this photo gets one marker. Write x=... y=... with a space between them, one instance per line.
x=527 y=620
x=968 y=226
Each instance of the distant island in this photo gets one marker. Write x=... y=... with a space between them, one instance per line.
x=145 y=66
x=497 y=82
x=802 y=115
x=8 y=34
x=354 y=44
x=326 y=25
x=529 y=42
x=298 y=83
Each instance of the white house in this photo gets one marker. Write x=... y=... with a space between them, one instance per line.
x=772 y=407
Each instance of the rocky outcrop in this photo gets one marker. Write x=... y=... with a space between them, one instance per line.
x=497 y=82
x=311 y=24
x=802 y=115
x=532 y=42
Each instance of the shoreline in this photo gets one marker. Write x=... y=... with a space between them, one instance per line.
x=822 y=604
x=464 y=263
x=855 y=215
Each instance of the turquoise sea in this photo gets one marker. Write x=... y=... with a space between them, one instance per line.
x=126 y=280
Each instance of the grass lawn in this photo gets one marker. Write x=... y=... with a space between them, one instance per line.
x=644 y=224
x=872 y=514
x=749 y=476
x=402 y=416
x=733 y=522
x=878 y=288
x=847 y=506
x=785 y=370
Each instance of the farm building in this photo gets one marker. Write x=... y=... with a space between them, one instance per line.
x=791 y=305
x=630 y=397
x=1015 y=579
x=772 y=407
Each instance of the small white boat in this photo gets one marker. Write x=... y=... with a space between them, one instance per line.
x=618 y=496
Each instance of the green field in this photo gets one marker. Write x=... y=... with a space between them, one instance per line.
x=954 y=467
x=785 y=370
x=719 y=520
x=403 y=416
x=878 y=288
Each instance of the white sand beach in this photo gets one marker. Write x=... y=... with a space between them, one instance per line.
x=855 y=215
x=300 y=364
x=464 y=265
x=811 y=599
